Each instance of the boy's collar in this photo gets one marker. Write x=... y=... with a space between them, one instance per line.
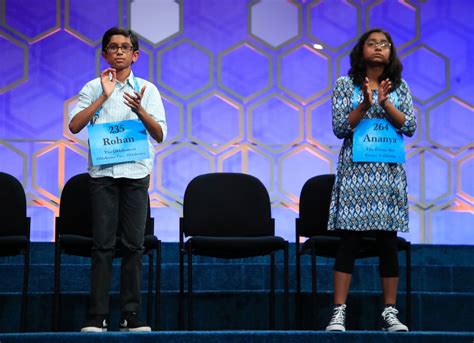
x=130 y=79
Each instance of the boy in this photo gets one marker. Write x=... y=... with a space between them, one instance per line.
x=121 y=112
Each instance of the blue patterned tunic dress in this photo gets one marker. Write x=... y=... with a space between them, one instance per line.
x=368 y=196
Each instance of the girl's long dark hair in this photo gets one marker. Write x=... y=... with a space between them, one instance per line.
x=358 y=71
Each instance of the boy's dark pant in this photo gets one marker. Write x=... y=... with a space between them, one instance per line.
x=117 y=203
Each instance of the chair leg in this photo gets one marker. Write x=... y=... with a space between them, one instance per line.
x=158 y=286
x=181 y=291
x=149 y=305
x=24 y=296
x=408 y=285
x=272 y=291
x=190 y=290
x=287 y=290
x=298 y=290
x=313 y=284
x=57 y=286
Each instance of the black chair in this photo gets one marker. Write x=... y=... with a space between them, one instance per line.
x=74 y=237
x=228 y=215
x=15 y=231
x=312 y=224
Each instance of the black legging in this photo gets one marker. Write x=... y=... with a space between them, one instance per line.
x=386 y=242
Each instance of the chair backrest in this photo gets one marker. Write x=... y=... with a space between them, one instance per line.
x=74 y=207
x=13 y=220
x=314 y=206
x=227 y=205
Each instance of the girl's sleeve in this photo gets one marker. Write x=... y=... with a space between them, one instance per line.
x=406 y=107
x=341 y=107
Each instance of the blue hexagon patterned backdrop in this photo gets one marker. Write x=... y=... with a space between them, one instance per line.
x=244 y=90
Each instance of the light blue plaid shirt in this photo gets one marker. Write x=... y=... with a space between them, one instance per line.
x=114 y=109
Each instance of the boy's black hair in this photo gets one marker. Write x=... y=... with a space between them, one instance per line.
x=119 y=31
x=392 y=71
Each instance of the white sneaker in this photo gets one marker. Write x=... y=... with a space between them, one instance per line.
x=391 y=322
x=338 y=319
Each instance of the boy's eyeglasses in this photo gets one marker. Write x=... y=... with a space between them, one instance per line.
x=126 y=48
x=383 y=44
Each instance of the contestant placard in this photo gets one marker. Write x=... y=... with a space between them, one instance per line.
x=118 y=142
x=376 y=140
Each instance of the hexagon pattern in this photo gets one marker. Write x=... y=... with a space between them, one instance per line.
x=319 y=124
x=420 y=64
x=465 y=186
x=35 y=21
x=14 y=68
x=275 y=22
x=247 y=158
x=247 y=88
x=244 y=71
x=334 y=24
x=400 y=18
x=215 y=122
x=286 y=115
x=443 y=128
x=155 y=20
x=177 y=70
x=307 y=65
x=300 y=165
x=81 y=23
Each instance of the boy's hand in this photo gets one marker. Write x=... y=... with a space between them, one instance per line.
x=134 y=101
x=108 y=79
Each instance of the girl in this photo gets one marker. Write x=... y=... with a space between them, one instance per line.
x=372 y=103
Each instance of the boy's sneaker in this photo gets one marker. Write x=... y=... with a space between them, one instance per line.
x=96 y=323
x=130 y=323
x=390 y=320
x=338 y=319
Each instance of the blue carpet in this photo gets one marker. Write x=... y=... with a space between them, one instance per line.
x=232 y=294
x=243 y=337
